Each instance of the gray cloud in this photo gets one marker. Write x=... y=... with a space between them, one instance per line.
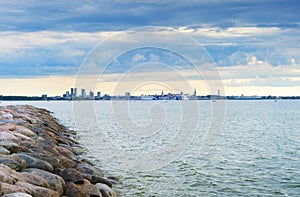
x=90 y=15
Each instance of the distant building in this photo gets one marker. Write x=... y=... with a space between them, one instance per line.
x=147 y=98
x=83 y=93
x=75 y=92
x=127 y=95
x=91 y=94
x=44 y=97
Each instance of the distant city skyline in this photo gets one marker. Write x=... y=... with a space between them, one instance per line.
x=254 y=44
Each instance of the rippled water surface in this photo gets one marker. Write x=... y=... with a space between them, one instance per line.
x=257 y=152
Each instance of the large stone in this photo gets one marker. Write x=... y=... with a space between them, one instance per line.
x=67 y=153
x=71 y=189
x=82 y=190
x=7 y=175
x=37 y=191
x=13 y=161
x=8 y=137
x=8 y=189
x=11 y=146
x=33 y=179
x=32 y=162
x=97 y=179
x=4 y=151
x=23 y=138
x=50 y=159
x=25 y=131
x=71 y=175
x=56 y=182
x=88 y=169
x=105 y=190
x=18 y=194
x=7 y=178
x=18 y=129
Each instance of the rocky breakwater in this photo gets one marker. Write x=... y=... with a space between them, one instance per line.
x=40 y=157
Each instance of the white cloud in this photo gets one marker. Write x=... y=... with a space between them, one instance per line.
x=217 y=32
x=138 y=58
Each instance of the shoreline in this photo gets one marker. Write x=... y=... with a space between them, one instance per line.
x=41 y=157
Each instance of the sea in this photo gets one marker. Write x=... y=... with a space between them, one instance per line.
x=189 y=148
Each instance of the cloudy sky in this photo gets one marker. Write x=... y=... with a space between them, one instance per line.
x=254 y=44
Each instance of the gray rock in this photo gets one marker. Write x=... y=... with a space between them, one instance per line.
x=17 y=194
x=37 y=191
x=7 y=178
x=4 y=151
x=11 y=146
x=105 y=190
x=82 y=190
x=8 y=189
x=56 y=182
x=8 y=137
x=23 y=137
x=13 y=161
x=50 y=159
x=97 y=179
x=32 y=162
x=33 y=179
x=88 y=169
x=67 y=153
x=24 y=131
x=71 y=175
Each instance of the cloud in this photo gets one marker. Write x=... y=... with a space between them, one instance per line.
x=92 y=16
x=270 y=82
x=138 y=58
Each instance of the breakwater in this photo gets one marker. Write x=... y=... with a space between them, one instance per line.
x=40 y=157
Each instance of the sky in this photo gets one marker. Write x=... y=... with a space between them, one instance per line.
x=252 y=46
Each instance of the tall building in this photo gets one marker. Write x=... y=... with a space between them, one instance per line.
x=83 y=93
x=91 y=94
x=99 y=94
x=75 y=92
x=195 y=92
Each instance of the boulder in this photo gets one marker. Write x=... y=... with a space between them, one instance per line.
x=22 y=137
x=10 y=146
x=67 y=153
x=24 y=131
x=97 y=179
x=71 y=175
x=8 y=189
x=105 y=190
x=7 y=178
x=49 y=158
x=8 y=137
x=37 y=191
x=82 y=190
x=56 y=182
x=13 y=161
x=33 y=179
x=17 y=194
x=32 y=162
x=4 y=151
x=88 y=169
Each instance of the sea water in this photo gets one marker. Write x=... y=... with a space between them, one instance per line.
x=255 y=152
